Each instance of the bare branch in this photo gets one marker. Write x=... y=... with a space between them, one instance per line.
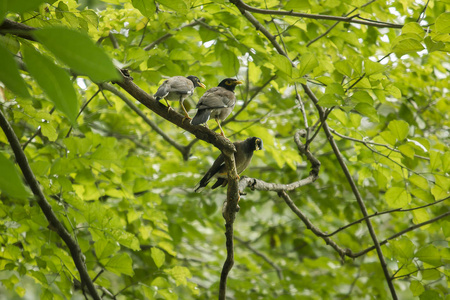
x=386 y=212
x=402 y=233
x=366 y=143
x=242 y=6
x=46 y=208
x=256 y=184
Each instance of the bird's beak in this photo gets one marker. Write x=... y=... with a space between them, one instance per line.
x=202 y=85
x=238 y=82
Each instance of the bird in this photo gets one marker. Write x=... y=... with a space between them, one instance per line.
x=217 y=103
x=242 y=157
x=178 y=88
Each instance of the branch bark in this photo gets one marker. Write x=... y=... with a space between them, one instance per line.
x=184 y=150
x=46 y=208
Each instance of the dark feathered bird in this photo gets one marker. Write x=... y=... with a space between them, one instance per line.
x=178 y=88
x=242 y=157
x=217 y=103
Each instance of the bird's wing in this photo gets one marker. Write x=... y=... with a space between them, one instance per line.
x=163 y=90
x=216 y=97
x=217 y=167
x=181 y=85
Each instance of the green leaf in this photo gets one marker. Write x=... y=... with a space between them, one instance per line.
x=328 y=100
x=407 y=46
x=9 y=74
x=399 y=129
x=443 y=23
x=372 y=67
x=10 y=181
x=282 y=63
x=368 y=111
x=104 y=249
x=90 y=16
x=79 y=52
x=430 y=294
x=416 y=288
x=397 y=197
x=177 y=5
x=419 y=181
x=308 y=62
x=446 y=161
x=54 y=81
x=435 y=161
x=180 y=274
x=21 y=6
x=407 y=151
x=230 y=63
x=146 y=7
x=433 y=46
x=126 y=239
x=335 y=89
x=388 y=137
x=343 y=67
x=362 y=97
x=158 y=257
x=414 y=28
x=120 y=264
x=403 y=249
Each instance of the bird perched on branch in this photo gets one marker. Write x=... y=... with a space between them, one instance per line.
x=217 y=103
x=242 y=157
x=178 y=88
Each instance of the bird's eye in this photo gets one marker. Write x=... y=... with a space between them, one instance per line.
x=228 y=82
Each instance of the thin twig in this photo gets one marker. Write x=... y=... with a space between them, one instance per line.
x=82 y=109
x=402 y=233
x=386 y=212
x=263 y=256
x=242 y=6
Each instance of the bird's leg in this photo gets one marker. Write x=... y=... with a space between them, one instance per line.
x=168 y=105
x=186 y=115
x=220 y=127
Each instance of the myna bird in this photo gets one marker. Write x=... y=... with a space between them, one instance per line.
x=217 y=103
x=242 y=157
x=178 y=88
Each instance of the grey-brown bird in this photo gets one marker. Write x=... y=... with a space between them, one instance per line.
x=242 y=156
x=178 y=88
x=217 y=103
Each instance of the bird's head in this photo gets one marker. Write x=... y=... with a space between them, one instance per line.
x=196 y=81
x=230 y=83
x=256 y=143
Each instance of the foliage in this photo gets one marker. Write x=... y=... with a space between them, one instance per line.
x=126 y=195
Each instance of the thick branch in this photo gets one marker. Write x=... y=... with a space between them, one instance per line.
x=229 y=214
x=172 y=116
x=184 y=150
x=46 y=208
x=242 y=6
x=354 y=189
x=18 y=29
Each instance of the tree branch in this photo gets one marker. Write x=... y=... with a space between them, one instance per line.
x=366 y=143
x=242 y=6
x=46 y=208
x=184 y=150
x=402 y=233
x=18 y=29
x=386 y=212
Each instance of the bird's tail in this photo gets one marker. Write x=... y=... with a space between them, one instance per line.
x=201 y=117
